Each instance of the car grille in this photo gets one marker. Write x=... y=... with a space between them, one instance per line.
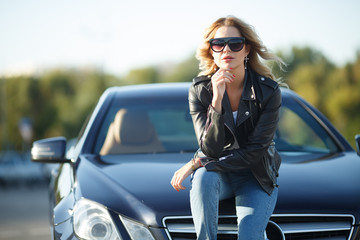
x=293 y=227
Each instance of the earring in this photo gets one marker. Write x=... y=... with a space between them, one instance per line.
x=246 y=61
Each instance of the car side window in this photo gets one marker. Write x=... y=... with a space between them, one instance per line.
x=299 y=131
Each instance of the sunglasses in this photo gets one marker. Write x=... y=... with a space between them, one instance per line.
x=234 y=43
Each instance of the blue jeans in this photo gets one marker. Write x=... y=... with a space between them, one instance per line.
x=253 y=205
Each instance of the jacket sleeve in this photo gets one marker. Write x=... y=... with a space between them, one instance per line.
x=258 y=141
x=208 y=124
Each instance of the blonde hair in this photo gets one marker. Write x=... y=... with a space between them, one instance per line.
x=257 y=49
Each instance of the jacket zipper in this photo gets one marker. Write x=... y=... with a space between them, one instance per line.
x=225 y=157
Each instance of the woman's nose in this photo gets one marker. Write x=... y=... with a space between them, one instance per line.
x=226 y=48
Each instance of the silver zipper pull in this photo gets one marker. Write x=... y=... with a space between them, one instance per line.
x=253 y=96
x=225 y=157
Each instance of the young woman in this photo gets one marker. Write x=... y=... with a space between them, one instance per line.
x=234 y=103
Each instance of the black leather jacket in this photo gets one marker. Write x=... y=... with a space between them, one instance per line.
x=249 y=142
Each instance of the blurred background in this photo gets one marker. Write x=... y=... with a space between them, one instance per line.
x=57 y=57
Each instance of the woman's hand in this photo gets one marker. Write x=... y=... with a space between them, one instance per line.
x=218 y=81
x=181 y=174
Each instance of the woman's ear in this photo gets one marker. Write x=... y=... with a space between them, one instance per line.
x=247 y=49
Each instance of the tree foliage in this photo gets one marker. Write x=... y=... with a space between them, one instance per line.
x=58 y=101
x=334 y=90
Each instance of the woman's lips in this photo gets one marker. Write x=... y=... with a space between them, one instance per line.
x=227 y=58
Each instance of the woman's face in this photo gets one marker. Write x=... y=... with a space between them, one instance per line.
x=227 y=59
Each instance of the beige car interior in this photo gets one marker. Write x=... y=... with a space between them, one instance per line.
x=131 y=132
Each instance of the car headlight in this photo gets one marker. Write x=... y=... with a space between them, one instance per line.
x=92 y=221
x=136 y=230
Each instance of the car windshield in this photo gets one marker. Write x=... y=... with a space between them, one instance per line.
x=163 y=125
x=147 y=125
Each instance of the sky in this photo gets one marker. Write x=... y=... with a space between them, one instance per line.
x=120 y=35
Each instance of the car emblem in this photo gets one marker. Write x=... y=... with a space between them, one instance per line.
x=274 y=232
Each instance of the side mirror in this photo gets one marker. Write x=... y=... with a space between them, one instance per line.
x=357 y=142
x=50 y=150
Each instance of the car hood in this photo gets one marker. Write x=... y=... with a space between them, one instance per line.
x=319 y=184
x=138 y=186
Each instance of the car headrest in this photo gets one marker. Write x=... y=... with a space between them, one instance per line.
x=133 y=127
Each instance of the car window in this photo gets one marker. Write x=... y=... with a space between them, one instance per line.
x=299 y=131
x=147 y=126
x=164 y=125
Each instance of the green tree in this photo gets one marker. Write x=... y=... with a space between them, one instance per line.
x=343 y=99
x=333 y=90
x=184 y=71
x=142 y=76
x=57 y=102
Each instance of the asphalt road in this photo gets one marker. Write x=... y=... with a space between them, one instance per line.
x=24 y=213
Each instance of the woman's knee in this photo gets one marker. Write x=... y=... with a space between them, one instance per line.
x=203 y=178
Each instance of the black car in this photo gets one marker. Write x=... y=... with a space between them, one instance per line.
x=114 y=183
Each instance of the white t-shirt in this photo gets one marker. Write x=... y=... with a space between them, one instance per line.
x=235 y=115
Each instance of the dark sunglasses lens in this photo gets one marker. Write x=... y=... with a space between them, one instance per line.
x=217 y=45
x=236 y=45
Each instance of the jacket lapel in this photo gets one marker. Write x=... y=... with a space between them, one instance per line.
x=247 y=95
x=243 y=113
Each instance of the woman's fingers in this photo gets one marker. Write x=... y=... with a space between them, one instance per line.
x=223 y=76
x=177 y=180
x=219 y=81
x=180 y=175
